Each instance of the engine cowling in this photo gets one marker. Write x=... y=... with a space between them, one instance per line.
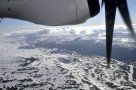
x=50 y=12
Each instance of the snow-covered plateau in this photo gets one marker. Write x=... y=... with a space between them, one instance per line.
x=66 y=59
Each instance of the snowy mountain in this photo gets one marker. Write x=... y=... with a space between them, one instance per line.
x=66 y=59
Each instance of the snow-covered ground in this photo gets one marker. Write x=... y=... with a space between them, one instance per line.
x=66 y=59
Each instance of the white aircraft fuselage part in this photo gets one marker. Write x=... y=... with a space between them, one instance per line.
x=46 y=12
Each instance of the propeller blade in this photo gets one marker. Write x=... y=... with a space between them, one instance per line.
x=123 y=9
x=110 y=11
x=1 y=20
x=102 y=3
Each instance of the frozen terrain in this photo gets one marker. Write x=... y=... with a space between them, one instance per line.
x=66 y=59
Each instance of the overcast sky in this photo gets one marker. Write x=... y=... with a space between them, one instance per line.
x=12 y=24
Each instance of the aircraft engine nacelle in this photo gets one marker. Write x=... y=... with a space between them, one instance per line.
x=50 y=12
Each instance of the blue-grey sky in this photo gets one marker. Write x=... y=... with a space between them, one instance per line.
x=12 y=24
